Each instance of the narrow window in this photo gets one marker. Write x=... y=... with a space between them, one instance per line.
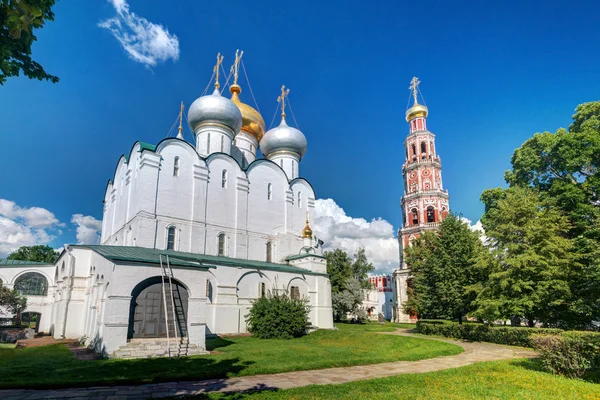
x=269 y=192
x=281 y=163
x=269 y=252
x=295 y=293
x=208 y=143
x=262 y=289
x=224 y=179
x=430 y=214
x=171 y=238
x=209 y=291
x=415 y=216
x=299 y=199
x=176 y=166
x=423 y=148
x=221 y=249
x=414 y=150
x=222 y=144
x=252 y=148
x=293 y=167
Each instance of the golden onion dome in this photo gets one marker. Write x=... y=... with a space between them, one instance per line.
x=417 y=110
x=252 y=122
x=307 y=232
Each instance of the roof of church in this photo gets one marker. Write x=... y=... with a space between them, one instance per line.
x=7 y=262
x=183 y=259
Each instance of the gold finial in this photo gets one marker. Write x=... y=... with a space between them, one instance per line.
x=180 y=132
x=281 y=99
x=307 y=232
x=216 y=70
x=414 y=86
x=235 y=68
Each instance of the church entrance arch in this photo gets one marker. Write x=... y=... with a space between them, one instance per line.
x=31 y=319
x=147 y=310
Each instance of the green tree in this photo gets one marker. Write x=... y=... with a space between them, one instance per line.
x=18 y=19
x=563 y=167
x=361 y=267
x=339 y=268
x=37 y=253
x=348 y=300
x=12 y=302
x=444 y=268
x=531 y=257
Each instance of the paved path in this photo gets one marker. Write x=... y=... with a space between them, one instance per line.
x=474 y=352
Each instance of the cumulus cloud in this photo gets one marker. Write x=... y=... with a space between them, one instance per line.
x=144 y=41
x=476 y=227
x=22 y=226
x=338 y=230
x=88 y=229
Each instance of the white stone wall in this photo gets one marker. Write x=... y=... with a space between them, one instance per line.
x=257 y=205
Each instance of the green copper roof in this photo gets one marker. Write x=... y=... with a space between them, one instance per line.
x=302 y=255
x=16 y=263
x=183 y=259
x=147 y=146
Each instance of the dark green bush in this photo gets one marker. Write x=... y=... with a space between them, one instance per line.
x=569 y=353
x=278 y=316
x=513 y=336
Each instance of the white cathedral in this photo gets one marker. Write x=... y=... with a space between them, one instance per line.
x=222 y=226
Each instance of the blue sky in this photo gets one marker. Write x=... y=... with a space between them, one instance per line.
x=492 y=75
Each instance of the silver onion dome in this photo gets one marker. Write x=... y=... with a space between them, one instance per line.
x=214 y=109
x=283 y=138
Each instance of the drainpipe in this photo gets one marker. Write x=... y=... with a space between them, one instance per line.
x=69 y=288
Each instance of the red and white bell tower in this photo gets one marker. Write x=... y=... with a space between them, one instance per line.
x=425 y=202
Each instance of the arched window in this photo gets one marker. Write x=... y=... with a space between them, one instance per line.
x=262 y=289
x=414 y=150
x=32 y=284
x=171 y=238
x=430 y=214
x=208 y=143
x=222 y=144
x=423 y=148
x=281 y=163
x=269 y=192
x=415 y=216
x=252 y=148
x=221 y=244
x=224 y=179
x=269 y=252
x=295 y=293
x=299 y=199
x=176 y=166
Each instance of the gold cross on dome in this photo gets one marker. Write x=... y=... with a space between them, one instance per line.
x=216 y=70
x=414 y=86
x=281 y=99
x=180 y=118
x=235 y=68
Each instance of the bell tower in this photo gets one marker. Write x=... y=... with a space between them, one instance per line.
x=425 y=202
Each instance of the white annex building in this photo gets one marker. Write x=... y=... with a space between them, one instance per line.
x=221 y=225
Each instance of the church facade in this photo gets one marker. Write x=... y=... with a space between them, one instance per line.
x=191 y=234
x=424 y=202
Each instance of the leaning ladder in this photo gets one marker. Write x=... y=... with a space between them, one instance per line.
x=167 y=275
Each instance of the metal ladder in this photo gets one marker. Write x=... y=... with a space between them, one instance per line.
x=175 y=319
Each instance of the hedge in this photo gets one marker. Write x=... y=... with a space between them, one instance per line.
x=569 y=353
x=508 y=335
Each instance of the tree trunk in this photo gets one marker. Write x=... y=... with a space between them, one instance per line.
x=460 y=319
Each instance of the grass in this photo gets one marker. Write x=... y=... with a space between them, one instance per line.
x=7 y=345
x=511 y=379
x=239 y=356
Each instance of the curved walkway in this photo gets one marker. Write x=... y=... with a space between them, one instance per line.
x=474 y=352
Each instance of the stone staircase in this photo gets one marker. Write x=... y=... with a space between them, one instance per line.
x=157 y=347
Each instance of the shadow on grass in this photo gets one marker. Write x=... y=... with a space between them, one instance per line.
x=217 y=342
x=228 y=395
x=535 y=364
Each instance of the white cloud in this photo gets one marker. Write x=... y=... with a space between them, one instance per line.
x=338 y=230
x=21 y=226
x=144 y=41
x=88 y=229
x=476 y=227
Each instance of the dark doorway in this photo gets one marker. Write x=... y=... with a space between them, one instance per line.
x=147 y=310
x=31 y=319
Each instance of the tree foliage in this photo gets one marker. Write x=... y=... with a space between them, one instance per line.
x=531 y=257
x=37 y=253
x=361 y=267
x=278 y=316
x=18 y=19
x=348 y=300
x=444 y=267
x=12 y=301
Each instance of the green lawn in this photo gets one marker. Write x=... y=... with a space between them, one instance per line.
x=55 y=366
x=7 y=346
x=514 y=379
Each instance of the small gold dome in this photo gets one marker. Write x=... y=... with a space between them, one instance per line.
x=417 y=110
x=307 y=232
x=252 y=121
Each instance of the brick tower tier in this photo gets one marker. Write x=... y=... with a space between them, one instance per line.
x=425 y=202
